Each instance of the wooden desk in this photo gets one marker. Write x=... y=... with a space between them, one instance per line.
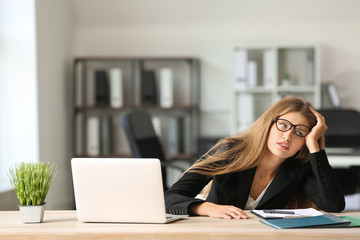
x=64 y=225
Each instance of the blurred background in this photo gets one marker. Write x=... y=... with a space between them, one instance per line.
x=39 y=40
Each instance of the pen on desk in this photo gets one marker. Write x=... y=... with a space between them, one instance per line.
x=278 y=211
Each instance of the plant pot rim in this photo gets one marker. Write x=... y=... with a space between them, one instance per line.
x=32 y=205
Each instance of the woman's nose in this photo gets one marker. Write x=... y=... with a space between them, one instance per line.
x=287 y=135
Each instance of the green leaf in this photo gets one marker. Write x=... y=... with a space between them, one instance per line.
x=31 y=181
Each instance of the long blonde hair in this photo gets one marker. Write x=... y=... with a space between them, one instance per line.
x=244 y=151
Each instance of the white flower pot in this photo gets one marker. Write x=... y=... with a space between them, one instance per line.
x=32 y=214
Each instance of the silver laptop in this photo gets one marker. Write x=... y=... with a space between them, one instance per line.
x=119 y=190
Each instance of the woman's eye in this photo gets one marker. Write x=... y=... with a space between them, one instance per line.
x=300 y=133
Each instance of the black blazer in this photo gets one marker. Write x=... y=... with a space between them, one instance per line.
x=316 y=178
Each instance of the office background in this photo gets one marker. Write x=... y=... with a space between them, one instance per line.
x=207 y=29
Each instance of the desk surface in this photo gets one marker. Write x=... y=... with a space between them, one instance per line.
x=64 y=225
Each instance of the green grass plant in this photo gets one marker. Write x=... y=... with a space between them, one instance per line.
x=31 y=181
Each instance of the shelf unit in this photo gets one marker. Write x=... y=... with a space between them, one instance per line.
x=263 y=74
x=97 y=127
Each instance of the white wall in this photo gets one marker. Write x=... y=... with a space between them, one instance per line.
x=211 y=29
x=54 y=42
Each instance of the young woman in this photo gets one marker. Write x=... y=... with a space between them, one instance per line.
x=274 y=164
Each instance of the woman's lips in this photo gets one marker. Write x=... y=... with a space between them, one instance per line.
x=283 y=145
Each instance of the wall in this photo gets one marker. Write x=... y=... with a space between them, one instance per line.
x=54 y=50
x=210 y=30
x=54 y=58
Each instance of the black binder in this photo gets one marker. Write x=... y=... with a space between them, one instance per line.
x=148 y=87
x=102 y=96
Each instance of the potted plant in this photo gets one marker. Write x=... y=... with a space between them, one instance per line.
x=31 y=182
x=286 y=81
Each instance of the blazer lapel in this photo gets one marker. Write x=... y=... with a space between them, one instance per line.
x=245 y=178
x=284 y=177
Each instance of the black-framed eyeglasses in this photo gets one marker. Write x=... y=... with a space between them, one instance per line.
x=284 y=125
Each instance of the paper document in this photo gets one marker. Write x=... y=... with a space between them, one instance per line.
x=305 y=212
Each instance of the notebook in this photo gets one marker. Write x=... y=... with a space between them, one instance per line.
x=322 y=221
x=124 y=190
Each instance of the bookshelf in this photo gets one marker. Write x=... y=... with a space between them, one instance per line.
x=107 y=88
x=265 y=73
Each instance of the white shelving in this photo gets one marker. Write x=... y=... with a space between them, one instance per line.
x=263 y=74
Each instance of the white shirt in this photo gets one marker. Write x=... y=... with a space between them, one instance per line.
x=252 y=203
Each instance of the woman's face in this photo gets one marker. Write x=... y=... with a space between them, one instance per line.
x=284 y=144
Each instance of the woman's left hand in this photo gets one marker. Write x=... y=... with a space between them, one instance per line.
x=316 y=132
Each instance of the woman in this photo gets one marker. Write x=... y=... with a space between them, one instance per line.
x=278 y=159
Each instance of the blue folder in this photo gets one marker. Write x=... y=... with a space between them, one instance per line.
x=322 y=221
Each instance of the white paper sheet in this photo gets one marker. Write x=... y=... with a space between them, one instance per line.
x=305 y=212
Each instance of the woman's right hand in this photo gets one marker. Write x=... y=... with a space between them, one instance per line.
x=218 y=211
